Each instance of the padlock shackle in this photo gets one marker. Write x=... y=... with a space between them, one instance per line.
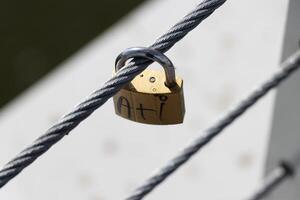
x=151 y=54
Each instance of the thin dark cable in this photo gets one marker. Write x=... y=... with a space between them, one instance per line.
x=110 y=88
x=274 y=179
x=287 y=68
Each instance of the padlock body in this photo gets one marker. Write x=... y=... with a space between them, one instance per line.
x=148 y=100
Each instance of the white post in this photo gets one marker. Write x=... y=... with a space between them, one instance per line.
x=285 y=136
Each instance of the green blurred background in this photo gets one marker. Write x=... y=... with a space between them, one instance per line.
x=37 y=35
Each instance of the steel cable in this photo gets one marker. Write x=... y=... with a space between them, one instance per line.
x=276 y=177
x=110 y=88
x=287 y=68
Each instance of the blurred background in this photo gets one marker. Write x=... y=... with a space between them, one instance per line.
x=35 y=36
x=54 y=53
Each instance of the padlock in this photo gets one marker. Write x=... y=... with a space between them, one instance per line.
x=154 y=96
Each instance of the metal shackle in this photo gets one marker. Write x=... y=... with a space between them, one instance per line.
x=150 y=54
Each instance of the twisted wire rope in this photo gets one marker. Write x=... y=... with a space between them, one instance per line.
x=273 y=180
x=287 y=68
x=69 y=121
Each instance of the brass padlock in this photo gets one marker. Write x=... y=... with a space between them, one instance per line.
x=154 y=96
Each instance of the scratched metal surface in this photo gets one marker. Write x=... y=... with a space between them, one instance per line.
x=107 y=156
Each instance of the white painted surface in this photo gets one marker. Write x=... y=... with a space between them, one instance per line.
x=285 y=137
x=106 y=156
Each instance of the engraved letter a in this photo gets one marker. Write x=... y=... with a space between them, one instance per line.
x=126 y=105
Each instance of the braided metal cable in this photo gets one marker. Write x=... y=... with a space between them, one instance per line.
x=274 y=179
x=288 y=67
x=110 y=88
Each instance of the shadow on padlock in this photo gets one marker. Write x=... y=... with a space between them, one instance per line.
x=154 y=96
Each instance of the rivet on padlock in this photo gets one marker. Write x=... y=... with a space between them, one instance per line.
x=154 y=96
